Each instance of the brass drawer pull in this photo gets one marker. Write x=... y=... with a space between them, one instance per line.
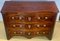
x=20 y=17
x=14 y=25
x=14 y=32
x=29 y=26
x=12 y=17
x=37 y=33
x=29 y=33
x=21 y=26
x=21 y=32
x=38 y=25
x=38 y=18
x=44 y=32
x=44 y=25
x=29 y=18
x=46 y=17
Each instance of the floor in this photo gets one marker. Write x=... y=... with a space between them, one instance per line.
x=56 y=35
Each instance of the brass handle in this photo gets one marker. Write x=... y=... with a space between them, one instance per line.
x=14 y=25
x=29 y=33
x=44 y=25
x=12 y=17
x=29 y=18
x=43 y=32
x=39 y=18
x=38 y=25
x=37 y=33
x=14 y=32
x=29 y=26
x=46 y=17
x=20 y=17
x=20 y=26
x=21 y=32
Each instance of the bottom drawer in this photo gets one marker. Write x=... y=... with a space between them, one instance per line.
x=22 y=32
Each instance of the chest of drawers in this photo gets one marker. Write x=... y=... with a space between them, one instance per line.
x=29 y=19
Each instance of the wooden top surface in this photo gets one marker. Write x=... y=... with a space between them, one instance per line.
x=41 y=6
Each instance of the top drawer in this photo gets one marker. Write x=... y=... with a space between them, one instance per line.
x=29 y=17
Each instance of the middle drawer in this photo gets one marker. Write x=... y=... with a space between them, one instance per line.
x=31 y=26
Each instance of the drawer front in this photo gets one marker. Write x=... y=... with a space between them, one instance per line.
x=32 y=26
x=30 y=17
x=28 y=33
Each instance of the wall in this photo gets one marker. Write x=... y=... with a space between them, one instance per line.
x=57 y=3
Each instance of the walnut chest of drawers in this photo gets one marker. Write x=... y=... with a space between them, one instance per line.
x=29 y=19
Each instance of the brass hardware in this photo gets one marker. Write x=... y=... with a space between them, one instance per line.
x=20 y=17
x=20 y=25
x=12 y=17
x=21 y=32
x=29 y=26
x=38 y=25
x=43 y=32
x=39 y=17
x=29 y=18
x=37 y=32
x=29 y=33
x=14 y=25
x=14 y=32
x=44 y=25
x=46 y=17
